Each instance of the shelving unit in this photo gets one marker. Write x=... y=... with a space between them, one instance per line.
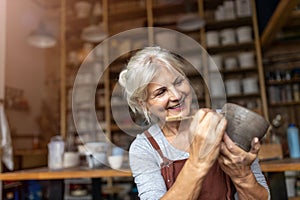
x=280 y=43
x=80 y=61
x=282 y=74
x=237 y=70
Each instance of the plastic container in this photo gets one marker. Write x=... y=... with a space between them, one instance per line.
x=293 y=141
x=56 y=148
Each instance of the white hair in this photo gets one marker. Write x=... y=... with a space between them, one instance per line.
x=140 y=70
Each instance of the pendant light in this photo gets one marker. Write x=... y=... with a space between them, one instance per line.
x=41 y=37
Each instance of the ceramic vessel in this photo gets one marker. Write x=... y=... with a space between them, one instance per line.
x=233 y=87
x=96 y=159
x=230 y=63
x=250 y=85
x=115 y=161
x=212 y=38
x=246 y=59
x=71 y=159
x=215 y=63
x=243 y=125
x=227 y=36
x=244 y=34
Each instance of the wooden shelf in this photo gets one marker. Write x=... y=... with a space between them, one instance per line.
x=283 y=82
x=231 y=48
x=243 y=96
x=168 y=9
x=240 y=70
x=212 y=4
x=287 y=164
x=129 y=14
x=234 y=23
x=293 y=103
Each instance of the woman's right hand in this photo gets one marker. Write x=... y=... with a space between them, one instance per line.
x=206 y=132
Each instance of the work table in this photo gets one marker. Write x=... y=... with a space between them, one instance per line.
x=56 y=177
x=45 y=173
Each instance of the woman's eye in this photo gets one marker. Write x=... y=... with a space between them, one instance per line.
x=159 y=92
x=179 y=81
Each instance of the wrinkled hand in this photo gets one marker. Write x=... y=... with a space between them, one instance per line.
x=206 y=133
x=236 y=162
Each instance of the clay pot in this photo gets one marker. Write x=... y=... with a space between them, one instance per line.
x=243 y=125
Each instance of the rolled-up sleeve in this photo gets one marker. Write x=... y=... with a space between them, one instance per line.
x=255 y=167
x=146 y=170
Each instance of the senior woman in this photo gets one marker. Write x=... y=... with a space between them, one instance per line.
x=184 y=159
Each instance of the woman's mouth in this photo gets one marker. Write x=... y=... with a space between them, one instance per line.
x=176 y=107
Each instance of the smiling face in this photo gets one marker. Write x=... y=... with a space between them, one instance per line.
x=169 y=94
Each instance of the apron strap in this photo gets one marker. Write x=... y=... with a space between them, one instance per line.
x=153 y=142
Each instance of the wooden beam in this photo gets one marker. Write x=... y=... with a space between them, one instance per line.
x=63 y=92
x=278 y=20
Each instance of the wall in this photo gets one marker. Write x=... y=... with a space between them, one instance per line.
x=26 y=68
x=2 y=46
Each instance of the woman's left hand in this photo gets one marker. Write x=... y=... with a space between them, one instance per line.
x=236 y=162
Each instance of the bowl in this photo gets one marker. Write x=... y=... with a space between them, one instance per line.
x=116 y=161
x=96 y=159
x=71 y=159
x=243 y=125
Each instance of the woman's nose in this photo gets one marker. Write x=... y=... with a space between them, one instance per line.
x=174 y=93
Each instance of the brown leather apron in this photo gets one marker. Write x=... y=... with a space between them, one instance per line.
x=216 y=185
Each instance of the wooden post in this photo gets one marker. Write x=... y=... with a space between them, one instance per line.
x=259 y=64
x=150 y=22
x=63 y=98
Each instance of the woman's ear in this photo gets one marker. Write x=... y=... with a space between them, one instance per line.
x=141 y=103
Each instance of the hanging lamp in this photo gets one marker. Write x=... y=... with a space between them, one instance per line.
x=41 y=37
